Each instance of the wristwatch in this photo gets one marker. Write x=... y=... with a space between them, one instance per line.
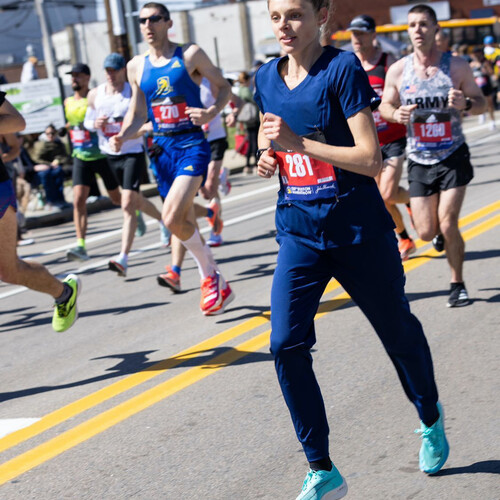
x=468 y=104
x=259 y=153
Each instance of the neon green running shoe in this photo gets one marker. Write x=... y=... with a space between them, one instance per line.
x=322 y=484
x=435 y=449
x=65 y=314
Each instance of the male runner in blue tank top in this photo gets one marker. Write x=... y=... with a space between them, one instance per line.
x=428 y=90
x=317 y=129
x=166 y=90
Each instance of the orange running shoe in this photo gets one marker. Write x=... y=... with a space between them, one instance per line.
x=406 y=248
x=215 y=221
x=170 y=279
x=211 y=294
x=227 y=298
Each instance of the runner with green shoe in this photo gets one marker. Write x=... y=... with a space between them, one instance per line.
x=14 y=270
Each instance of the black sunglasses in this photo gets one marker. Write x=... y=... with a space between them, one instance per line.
x=152 y=19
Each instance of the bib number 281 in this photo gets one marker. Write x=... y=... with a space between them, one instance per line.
x=298 y=165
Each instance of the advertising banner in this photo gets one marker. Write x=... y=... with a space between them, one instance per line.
x=39 y=101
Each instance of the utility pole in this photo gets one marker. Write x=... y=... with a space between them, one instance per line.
x=117 y=32
x=48 y=48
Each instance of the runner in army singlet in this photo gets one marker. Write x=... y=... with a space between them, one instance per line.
x=428 y=90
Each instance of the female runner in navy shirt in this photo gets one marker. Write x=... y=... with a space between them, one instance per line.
x=318 y=132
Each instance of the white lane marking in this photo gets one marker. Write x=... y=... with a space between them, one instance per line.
x=9 y=425
x=153 y=246
x=116 y=232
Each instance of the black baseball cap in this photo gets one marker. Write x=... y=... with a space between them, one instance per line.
x=79 y=68
x=362 y=23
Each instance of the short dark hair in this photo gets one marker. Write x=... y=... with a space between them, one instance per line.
x=317 y=4
x=159 y=6
x=422 y=8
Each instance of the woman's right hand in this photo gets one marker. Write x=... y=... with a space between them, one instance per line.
x=267 y=164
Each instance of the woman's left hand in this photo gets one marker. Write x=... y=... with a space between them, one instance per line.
x=275 y=129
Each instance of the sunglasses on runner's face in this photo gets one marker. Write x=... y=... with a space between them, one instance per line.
x=151 y=19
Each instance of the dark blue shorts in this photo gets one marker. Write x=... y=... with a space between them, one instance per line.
x=7 y=197
x=172 y=162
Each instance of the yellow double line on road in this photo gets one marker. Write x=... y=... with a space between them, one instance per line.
x=95 y=425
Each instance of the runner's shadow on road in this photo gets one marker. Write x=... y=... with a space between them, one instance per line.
x=30 y=320
x=485 y=467
x=131 y=363
x=252 y=312
x=482 y=254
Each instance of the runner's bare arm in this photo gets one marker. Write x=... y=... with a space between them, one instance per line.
x=137 y=113
x=465 y=89
x=11 y=120
x=14 y=147
x=267 y=164
x=391 y=108
x=198 y=63
x=90 y=122
x=363 y=158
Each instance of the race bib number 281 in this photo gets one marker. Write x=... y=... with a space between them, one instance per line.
x=306 y=178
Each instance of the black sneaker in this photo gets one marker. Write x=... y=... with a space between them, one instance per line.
x=458 y=295
x=438 y=242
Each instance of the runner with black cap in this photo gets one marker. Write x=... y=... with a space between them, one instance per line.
x=392 y=136
x=87 y=158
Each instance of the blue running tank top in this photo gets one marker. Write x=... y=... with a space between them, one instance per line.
x=168 y=90
x=310 y=208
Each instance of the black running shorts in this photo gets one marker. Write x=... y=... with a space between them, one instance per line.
x=218 y=148
x=128 y=169
x=394 y=149
x=454 y=171
x=84 y=171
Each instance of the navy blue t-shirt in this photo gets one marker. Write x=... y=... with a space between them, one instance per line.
x=335 y=89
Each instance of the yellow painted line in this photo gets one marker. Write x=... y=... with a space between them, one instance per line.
x=90 y=428
x=113 y=416
x=87 y=402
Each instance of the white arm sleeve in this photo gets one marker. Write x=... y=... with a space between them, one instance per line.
x=90 y=118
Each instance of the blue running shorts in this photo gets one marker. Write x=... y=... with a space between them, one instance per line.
x=7 y=197
x=172 y=162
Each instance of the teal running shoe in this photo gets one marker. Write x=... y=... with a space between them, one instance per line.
x=435 y=449
x=165 y=236
x=141 y=225
x=66 y=314
x=322 y=484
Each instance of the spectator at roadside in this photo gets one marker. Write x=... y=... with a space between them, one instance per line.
x=250 y=123
x=49 y=156
x=482 y=69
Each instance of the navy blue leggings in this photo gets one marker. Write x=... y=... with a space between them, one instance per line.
x=372 y=274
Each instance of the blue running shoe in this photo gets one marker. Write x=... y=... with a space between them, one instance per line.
x=322 y=484
x=165 y=236
x=435 y=449
x=141 y=225
x=215 y=240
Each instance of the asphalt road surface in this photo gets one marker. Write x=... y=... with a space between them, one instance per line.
x=145 y=398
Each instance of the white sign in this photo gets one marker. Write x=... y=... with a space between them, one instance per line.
x=399 y=15
x=39 y=101
x=489 y=3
